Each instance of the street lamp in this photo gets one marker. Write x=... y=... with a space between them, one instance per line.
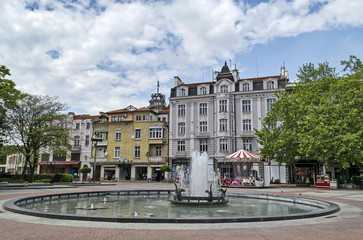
x=95 y=140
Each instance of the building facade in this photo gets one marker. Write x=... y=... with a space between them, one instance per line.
x=135 y=142
x=219 y=117
x=80 y=130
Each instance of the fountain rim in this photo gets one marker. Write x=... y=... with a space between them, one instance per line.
x=13 y=205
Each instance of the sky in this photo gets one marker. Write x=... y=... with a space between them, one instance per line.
x=102 y=55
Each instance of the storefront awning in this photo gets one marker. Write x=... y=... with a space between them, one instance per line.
x=59 y=163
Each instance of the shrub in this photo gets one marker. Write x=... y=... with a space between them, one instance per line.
x=66 y=177
x=356 y=180
x=84 y=170
x=10 y=180
x=165 y=168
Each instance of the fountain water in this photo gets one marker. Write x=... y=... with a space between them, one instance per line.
x=201 y=185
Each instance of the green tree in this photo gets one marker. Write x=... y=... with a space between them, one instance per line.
x=37 y=123
x=8 y=95
x=320 y=118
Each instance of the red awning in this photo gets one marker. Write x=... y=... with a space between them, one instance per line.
x=59 y=163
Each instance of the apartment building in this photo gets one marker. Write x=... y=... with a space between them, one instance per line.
x=134 y=144
x=219 y=117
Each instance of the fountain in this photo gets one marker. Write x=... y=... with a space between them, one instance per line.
x=198 y=198
x=202 y=185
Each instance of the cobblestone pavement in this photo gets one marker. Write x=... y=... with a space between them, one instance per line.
x=345 y=224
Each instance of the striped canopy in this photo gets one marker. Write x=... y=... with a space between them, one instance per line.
x=242 y=155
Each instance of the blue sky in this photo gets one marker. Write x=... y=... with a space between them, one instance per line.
x=100 y=55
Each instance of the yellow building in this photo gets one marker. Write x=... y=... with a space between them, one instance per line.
x=134 y=145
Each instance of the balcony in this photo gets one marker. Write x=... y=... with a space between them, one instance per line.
x=76 y=148
x=102 y=143
x=157 y=159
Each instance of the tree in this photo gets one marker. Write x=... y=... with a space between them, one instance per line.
x=321 y=118
x=36 y=123
x=8 y=95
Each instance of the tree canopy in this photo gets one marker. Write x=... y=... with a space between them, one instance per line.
x=320 y=118
x=37 y=122
x=8 y=95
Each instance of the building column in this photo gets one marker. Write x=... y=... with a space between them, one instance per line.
x=102 y=172
x=149 y=173
x=117 y=173
x=133 y=172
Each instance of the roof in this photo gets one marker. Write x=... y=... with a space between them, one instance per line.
x=80 y=117
x=197 y=84
x=260 y=78
x=163 y=111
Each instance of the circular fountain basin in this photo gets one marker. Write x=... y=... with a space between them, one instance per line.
x=153 y=206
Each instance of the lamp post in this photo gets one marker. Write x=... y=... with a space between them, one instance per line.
x=95 y=140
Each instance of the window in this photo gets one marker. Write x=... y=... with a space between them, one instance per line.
x=118 y=134
x=155 y=132
x=203 y=91
x=203 y=145
x=145 y=117
x=247 y=144
x=223 y=105
x=88 y=125
x=158 y=151
x=137 y=133
x=181 y=146
x=182 y=92
x=137 y=152
x=270 y=101
x=224 y=88
x=76 y=141
x=78 y=126
x=181 y=128
x=223 y=145
x=181 y=110
x=86 y=140
x=270 y=85
x=113 y=119
x=246 y=125
x=203 y=126
x=222 y=125
x=245 y=87
x=117 y=152
x=120 y=118
x=104 y=120
x=203 y=110
x=138 y=118
x=246 y=105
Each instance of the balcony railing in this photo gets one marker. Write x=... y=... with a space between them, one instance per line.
x=157 y=159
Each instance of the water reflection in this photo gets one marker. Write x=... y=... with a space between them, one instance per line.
x=159 y=206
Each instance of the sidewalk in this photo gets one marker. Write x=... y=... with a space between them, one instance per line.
x=346 y=224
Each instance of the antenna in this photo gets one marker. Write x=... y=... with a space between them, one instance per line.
x=230 y=63
x=158 y=85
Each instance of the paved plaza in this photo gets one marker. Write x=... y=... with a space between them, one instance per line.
x=345 y=224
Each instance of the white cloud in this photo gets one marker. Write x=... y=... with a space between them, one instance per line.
x=110 y=55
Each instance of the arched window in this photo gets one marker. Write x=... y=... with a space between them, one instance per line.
x=245 y=87
x=182 y=92
x=270 y=85
x=224 y=88
x=203 y=91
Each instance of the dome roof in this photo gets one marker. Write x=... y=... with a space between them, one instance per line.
x=225 y=68
x=225 y=73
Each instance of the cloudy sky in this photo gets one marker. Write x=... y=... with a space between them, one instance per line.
x=100 y=55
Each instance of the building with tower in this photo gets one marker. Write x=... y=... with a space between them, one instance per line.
x=219 y=117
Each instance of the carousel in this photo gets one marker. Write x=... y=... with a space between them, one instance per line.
x=241 y=169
